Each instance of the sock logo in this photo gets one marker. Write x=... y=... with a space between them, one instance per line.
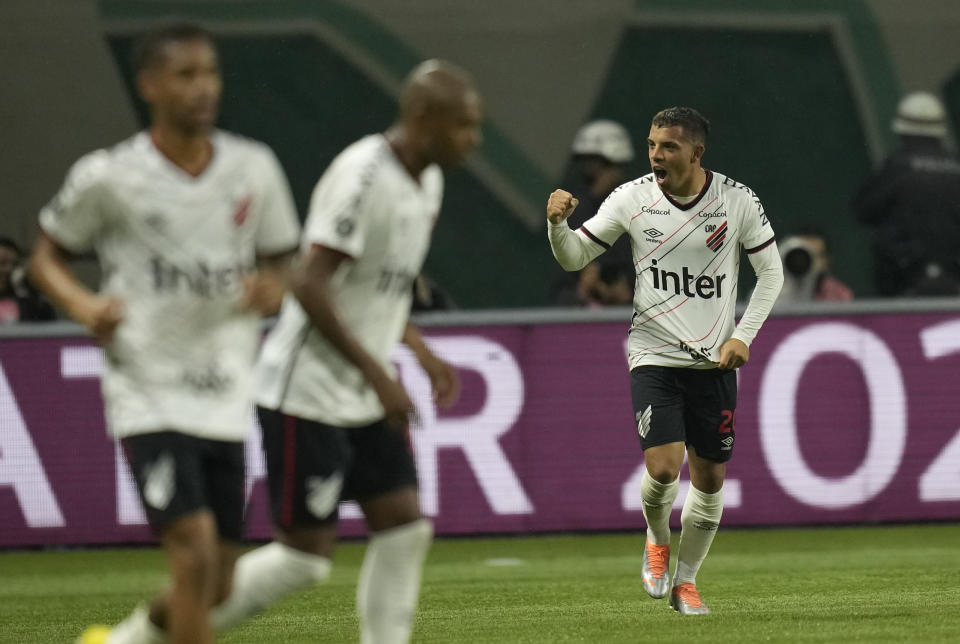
x=709 y=526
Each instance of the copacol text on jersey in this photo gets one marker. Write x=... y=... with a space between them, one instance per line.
x=691 y=285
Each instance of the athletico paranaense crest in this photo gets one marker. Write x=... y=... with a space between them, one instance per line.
x=242 y=210
x=717 y=237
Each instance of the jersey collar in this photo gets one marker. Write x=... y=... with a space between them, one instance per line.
x=693 y=202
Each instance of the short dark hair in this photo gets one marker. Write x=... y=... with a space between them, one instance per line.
x=694 y=124
x=148 y=48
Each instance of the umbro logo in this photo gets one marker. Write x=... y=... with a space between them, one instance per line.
x=652 y=232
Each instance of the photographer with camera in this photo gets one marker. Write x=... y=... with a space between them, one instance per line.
x=806 y=271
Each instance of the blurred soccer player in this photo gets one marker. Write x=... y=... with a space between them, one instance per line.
x=333 y=413
x=686 y=226
x=193 y=227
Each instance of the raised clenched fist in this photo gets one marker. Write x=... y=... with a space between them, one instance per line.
x=560 y=205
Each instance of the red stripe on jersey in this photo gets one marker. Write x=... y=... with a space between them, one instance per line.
x=685 y=300
x=694 y=216
x=289 y=469
x=711 y=328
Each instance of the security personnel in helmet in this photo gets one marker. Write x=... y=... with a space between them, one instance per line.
x=913 y=205
x=600 y=156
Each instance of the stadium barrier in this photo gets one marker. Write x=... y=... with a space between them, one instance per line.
x=847 y=414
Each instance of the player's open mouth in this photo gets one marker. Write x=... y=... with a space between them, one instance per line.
x=660 y=174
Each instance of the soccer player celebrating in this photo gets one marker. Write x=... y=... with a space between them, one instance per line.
x=687 y=225
x=333 y=413
x=193 y=228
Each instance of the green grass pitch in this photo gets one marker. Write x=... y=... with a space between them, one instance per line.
x=871 y=584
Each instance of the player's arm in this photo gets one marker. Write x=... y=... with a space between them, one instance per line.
x=310 y=284
x=50 y=272
x=573 y=250
x=769 y=270
x=443 y=377
x=264 y=290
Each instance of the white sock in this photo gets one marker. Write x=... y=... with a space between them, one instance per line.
x=262 y=577
x=657 y=504
x=390 y=582
x=137 y=629
x=700 y=519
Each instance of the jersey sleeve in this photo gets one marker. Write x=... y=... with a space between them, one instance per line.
x=757 y=232
x=278 y=229
x=769 y=270
x=605 y=227
x=339 y=208
x=77 y=214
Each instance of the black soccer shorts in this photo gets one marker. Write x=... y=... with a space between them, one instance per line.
x=693 y=406
x=312 y=466
x=178 y=474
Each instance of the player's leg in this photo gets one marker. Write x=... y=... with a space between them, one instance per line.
x=658 y=410
x=295 y=560
x=225 y=483
x=384 y=481
x=168 y=469
x=657 y=498
x=191 y=546
x=710 y=417
x=305 y=470
x=228 y=552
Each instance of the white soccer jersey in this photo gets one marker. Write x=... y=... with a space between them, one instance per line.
x=175 y=249
x=687 y=259
x=367 y=206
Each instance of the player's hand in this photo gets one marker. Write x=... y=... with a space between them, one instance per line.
x=263 y=292
x=443 y=378
x=101 y=316
x=397 y=406
x=560 y=205
x=733 y=354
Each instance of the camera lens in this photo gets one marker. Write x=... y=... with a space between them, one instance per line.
x=798 y=262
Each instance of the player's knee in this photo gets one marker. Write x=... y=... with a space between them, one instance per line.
x=708 y=484
x=707 y=476
x=664 y=475
x=662 y=470
x=663 y=462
